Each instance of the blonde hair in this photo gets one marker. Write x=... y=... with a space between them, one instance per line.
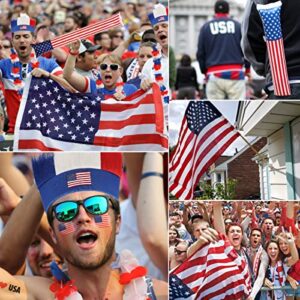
x=112 y=57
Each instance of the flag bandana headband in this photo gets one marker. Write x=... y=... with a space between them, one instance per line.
x=59 y=174
x=23 y=23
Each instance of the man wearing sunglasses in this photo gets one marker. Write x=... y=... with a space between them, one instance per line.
x=80 y=196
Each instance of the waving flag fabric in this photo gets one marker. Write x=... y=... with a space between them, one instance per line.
x=205 y=134
x=214 y=272
x=270 y=16
x=82 y=33
x=50 y=119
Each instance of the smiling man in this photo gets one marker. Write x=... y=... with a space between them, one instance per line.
x=80 y=193
x=22 y=61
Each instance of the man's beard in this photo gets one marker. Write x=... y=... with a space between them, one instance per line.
x=97 y=263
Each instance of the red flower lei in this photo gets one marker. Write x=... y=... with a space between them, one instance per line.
x=16 y=72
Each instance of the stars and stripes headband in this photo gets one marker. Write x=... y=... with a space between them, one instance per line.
x=59 y=174
x=23 y=23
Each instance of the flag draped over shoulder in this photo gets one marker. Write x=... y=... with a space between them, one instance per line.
x=52 y=119
x=214 y=272
x=270 y=16
x=204 y=135
x=82 y=33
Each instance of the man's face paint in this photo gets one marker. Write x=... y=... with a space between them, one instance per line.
x=66 y=228
x=102 y=220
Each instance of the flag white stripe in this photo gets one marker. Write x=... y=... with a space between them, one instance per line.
x=143 y=109
x=126 y=131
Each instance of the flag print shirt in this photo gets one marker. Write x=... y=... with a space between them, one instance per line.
x=11 y=91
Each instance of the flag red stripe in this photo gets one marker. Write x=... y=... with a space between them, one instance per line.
x=131 y=140
x=202 y=140
x=133 y=120
x=35 y=144
x=278 y=67
x=216 y=156
x=115 y=107
x=181 y=146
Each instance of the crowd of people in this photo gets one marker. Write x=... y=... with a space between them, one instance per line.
x=265 y=235
x=49 y=238
x=113 y=64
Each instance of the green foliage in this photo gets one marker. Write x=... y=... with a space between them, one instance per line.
x=219 y=190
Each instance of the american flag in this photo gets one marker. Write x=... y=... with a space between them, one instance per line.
x=82 y=33
x=270 y=16
x=51 y=119
x=204 y=135
x=80 y=178
x=214 y=272
x=102 y=220
x=66 y=228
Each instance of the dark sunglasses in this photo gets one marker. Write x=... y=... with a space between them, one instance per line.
x=179 y=251
x=119 y=36
x=66 y=211
x=149 y=40
x=113 y=67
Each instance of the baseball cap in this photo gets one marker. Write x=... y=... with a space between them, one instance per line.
x=88 y=46
x=222 y=6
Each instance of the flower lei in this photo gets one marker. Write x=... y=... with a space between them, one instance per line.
x=158 y=75
x=62 y=290
x=16 y=72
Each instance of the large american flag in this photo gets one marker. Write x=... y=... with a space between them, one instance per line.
x=214 y=272
x=270 y=16
x=51 y=119
x=204 y=135
x=82 y=33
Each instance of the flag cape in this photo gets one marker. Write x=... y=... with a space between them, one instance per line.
x=214 y=272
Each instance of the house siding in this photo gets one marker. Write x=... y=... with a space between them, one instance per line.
x=277 y=169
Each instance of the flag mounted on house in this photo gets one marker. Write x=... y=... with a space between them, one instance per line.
x=78 y=34
x=204 y=135
x=213 y=272
x=52 y=119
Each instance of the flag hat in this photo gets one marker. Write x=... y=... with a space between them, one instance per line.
x=23 y=23
x=159 y=14
x=59 y=174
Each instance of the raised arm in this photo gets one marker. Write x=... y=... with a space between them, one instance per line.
x=16 y=241
x=151 y=211
x=218 y=217
x=75 y=79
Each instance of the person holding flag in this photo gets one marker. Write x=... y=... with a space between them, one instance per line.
x=22 y=61
x=110 y=84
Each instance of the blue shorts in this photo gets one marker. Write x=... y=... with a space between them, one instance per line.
x=291 y=291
